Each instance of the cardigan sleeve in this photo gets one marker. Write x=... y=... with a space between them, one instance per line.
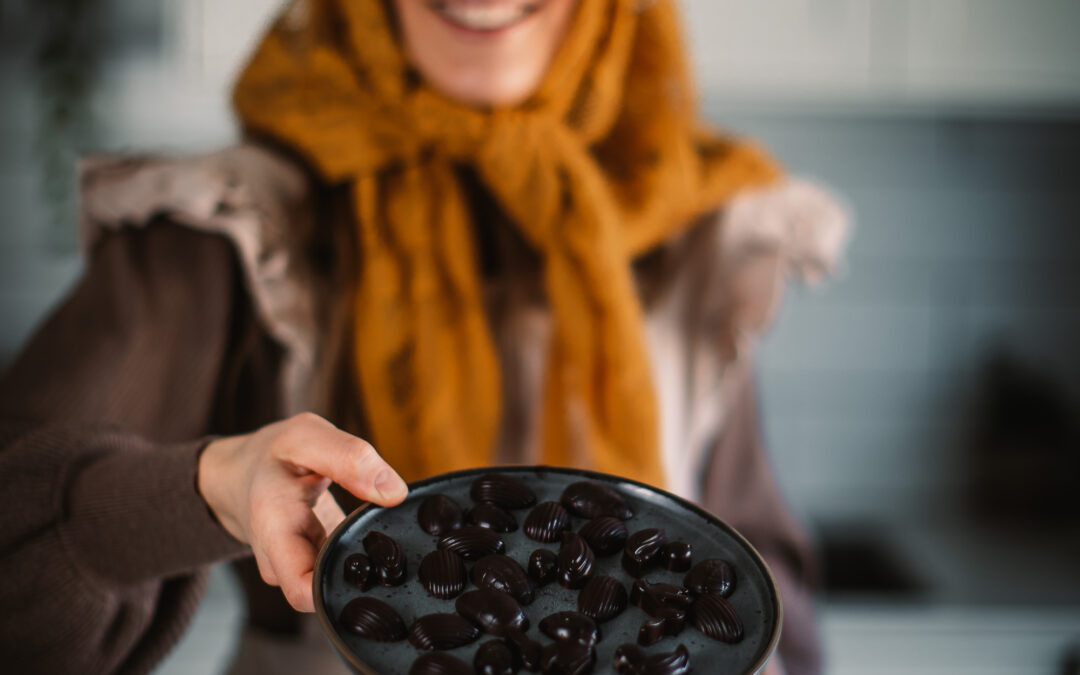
x=105 y=539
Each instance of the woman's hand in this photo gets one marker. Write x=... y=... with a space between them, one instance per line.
x=269 y=489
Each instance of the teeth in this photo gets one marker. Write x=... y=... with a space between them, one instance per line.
x=481 y=17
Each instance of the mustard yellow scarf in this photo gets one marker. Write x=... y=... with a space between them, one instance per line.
x=603 y=162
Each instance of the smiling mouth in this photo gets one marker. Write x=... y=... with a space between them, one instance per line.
x=483 y=17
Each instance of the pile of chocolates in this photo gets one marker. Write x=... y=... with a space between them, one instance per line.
x=469 y=548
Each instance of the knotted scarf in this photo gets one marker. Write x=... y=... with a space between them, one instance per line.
x=603 y=162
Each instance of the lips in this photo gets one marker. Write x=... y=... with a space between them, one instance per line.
x=483 y=16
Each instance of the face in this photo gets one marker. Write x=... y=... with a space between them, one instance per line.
x=483 y=52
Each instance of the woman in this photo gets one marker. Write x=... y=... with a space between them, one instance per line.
x=470 y=231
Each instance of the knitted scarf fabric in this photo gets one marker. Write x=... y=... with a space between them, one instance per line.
x=603 y=162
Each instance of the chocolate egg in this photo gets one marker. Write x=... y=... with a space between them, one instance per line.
x=386 y=557
x=715 y=617
x=492 y=517
x=359 y=571
x=442 y=631
x=603 y=598
x=438 y=514
x=546 y=522
x=506 y=491
x=443 y=574
x=472 y=542
x=711 y=577
x=492 y=611
x=642 y=551
x=570 y=627
x=501 y=573
x=495 y=657
x=543 y=566
x=575 y=562
x=677 y=556
x=372 y=619
x=439 y=663
x=589 y=499
x=605 y=535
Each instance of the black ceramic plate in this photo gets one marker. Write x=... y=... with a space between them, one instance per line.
x=755 y=598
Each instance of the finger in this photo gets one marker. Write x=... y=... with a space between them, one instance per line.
x=266 y=570
x=328 y=512
x=347 y=460
x=291 y=548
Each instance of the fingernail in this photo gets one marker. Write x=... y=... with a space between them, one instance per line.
x=388 y=484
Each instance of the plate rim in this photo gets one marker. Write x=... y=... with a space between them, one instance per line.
x=346 y=654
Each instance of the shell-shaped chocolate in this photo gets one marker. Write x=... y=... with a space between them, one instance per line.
x=495 y=657
x=359 y=571
x=502 y=573
x=677 y=556
x=567 y=658
x=506 y=491
x=546 y=522
x=576 y=561
x=386 y=557
x=439 y=663
x=570 y=627
x=603 y=598
x=472 y=542
x=442 y=631
x=443 y=574
x=493 y=611
x=642 y=551
x=492 y=517
x=632 y=660
x=715 y=617
x=589 y=499
x=527 y=651
x=605 y=535
x=438 y=514
x=372 y=619
x=711 y=577
x=543 y=566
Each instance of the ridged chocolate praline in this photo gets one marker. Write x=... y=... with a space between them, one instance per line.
x=711 y=577
x=603 y=598
x=442 y=631
x=546 y=522
x=493 y=611
x=507 y=491
x=491 y=516
x=442 y=573
x=716 y=618
x=495 y=657
x=439 y=663
x=438 y=514
x=472 y=542
x=589 y=499
x=606 y=535
x=502 y=573
x=387 y=558
x=576 y=561
x=372 y=619
x=642 y=551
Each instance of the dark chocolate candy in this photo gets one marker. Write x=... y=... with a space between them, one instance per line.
x=627 y=658
x=589 y=499
x=372 y=619
x=443 y=574
x=495 y=657
x=603 y=598
x=543 y=566
x=472 y=542
x=642 y=551
x=632 y=660
x=567 y=658
x=501 y=573
x=442 y=631
x=439 y=663
x=386 y=557
x=606 y=535
x=576 y=561
x=654 y=630
x=715 y=617
x=527 y=650
x=570 y=627
x=666 y=602
x=506 y=491
x=359 y=571
x=491 y=516
x=677 y=556
x=546 y=522
x=438 y=514
x=493 y=611
x=711 y=577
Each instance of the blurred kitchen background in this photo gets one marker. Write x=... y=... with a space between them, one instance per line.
x=922 y=411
